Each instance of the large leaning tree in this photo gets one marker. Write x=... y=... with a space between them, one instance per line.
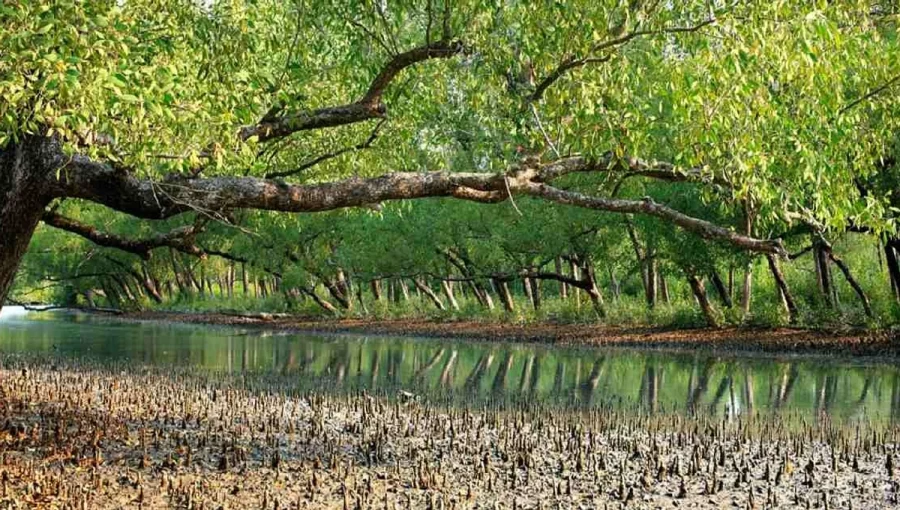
x=155 y=109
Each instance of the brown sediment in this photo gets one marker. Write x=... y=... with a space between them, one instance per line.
x=80 y=435
x=862 y=342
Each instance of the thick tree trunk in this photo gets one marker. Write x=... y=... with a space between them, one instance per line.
x=24 y=193
x=783 y=290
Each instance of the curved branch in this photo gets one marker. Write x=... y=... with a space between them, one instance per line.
x=331 y=155
x=574 y=63
x=147 y=199
x=181 y=238
x=647 y=206
x=277 y=124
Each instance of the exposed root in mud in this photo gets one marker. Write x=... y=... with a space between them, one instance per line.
x=78 y=435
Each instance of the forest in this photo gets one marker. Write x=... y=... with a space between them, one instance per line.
x=619 y=162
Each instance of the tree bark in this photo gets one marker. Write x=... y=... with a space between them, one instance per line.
x=863 y=298
x=663 y=287
x=23 y=196
x=563 y=287
x=747 y=290
x=893 y=265
x=447 y=287
x=375 y=284
x=593 y=290
x=720 y=289
x=823 y=273
x=651 y=288
x=506 y=296
x=706 y=307
x=37 y=170
x=429 y=293
x=784 y=291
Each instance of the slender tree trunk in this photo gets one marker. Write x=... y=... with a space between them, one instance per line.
x=641 y=259
x=486 y=297
x=823 y=273
x=853 y=283
x=526 y=287
x=359 y=297
x=447 y=287
x=563 y=287
x=376 y=289
x=747 y=290
x=335 y=289
x=662 y=287
x=720 y=289
x=89 y=298
x=321 y=302
x=535 y=292
x=783 y=290
x=731 y=283
x=706 y=307
x=576 y=292
x=593 y=290
x=890 y=255
x=245 y=282
x=614 y=284
x=505 y=296
x=435 y=300
x=229 y=279
x=404 y=289
x=651 y=289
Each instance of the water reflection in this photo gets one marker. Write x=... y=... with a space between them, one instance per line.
x=477 y=373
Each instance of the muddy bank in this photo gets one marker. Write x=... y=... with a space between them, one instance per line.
x=775 y=341
x=76 y=435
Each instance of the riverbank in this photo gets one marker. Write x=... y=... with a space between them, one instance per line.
x=79 y=435
x=861 y=343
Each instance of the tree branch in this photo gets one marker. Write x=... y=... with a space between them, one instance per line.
x=574 y=63
x=182 y=238
x=147 y=199
x=276 y=125
x=331 y=155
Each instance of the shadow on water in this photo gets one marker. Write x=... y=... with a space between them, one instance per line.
x=472 y=373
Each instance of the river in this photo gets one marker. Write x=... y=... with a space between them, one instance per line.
x=475 y=373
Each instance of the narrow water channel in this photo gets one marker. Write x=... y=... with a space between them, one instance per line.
x=493 y=373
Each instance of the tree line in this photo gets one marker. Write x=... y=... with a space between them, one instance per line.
x=676 y=150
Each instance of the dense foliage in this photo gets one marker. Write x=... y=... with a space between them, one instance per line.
x=701 y=144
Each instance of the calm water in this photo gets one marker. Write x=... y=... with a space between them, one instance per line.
x=477 y=373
